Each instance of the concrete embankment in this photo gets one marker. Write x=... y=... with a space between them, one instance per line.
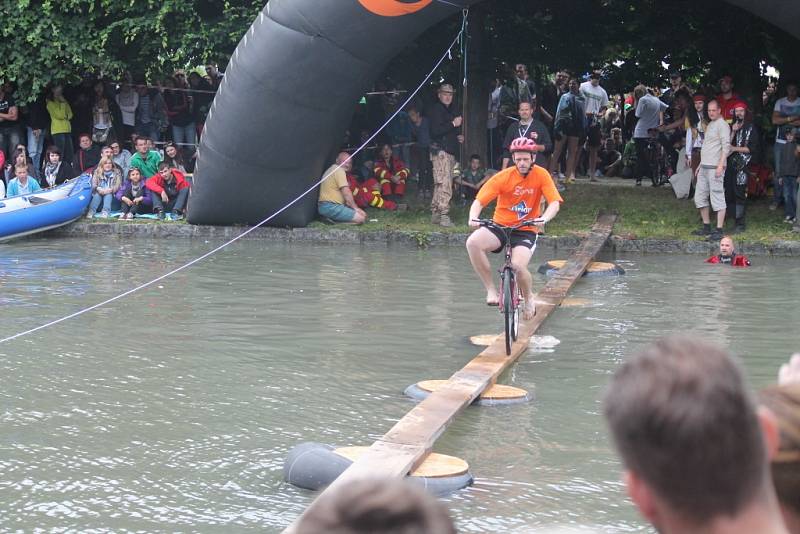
x=616 y=244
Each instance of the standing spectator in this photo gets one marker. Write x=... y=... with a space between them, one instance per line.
x=55 y=171
x=525 y=88
x=696 y=121
x=22 y=183
x=789 y=152
x=9 y=121
x=145 y=160
x=675 y=85
x=446 y=138
x=169 y=191
x=596 y=105
x=60 y=121
x=88 y=155
x=179 y=111
x=134 y=197
x=551 y=94
x=727 y=98
x=650 y=111
x=128 y=102
x=570 y=127
x=745 y=147
x=202 y=96
x=121 y=157
x=421 y=151
x=672 y=133
x=106 y=181
x=710 y=173
x=37 y=121
x=214 y=75
x=174 y=156
x=785 y=116
x=529 y=128
x=104 y=110
x=147 y=124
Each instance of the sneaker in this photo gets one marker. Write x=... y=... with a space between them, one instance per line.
x=788 y=219
x=160 y=215
x=176 y=216
x=104 y=215
x=436 y=218
x=569 y=180
x=90 y=215
x=445 y=221
x=561 y=175
x=597 y=173
x=638 y=183
x=703 y=231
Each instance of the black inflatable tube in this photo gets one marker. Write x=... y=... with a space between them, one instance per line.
x=314 y=466
x=417 y=393
x=289 y=91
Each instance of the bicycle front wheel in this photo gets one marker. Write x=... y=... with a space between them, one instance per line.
x=509 y=310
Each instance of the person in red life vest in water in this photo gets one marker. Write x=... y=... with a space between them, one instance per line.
x=367 y=194
x=391 y=172
x=727 y=254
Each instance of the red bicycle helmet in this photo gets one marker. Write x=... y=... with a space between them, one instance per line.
x=522 y=144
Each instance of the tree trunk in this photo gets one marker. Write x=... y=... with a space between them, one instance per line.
x=477 y=92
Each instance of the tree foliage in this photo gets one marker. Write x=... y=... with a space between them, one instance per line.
x=62 y=40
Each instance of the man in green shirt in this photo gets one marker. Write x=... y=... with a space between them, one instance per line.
x=145 y=160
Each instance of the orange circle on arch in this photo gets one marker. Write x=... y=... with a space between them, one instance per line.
x=393 y=8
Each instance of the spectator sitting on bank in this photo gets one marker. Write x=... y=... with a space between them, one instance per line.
x=121 y=157
x=134 y=196
x=106 y=152
x=391 y=172
x=56 y=171
x=694 y=449
x=610 y=159
x=20 y=158
x=367 y=193
x=169 y=192
x=336 y=202
x=106 y=180
x=88 y=155
x=473 y=177
x=22 y=183
x=377 y=506
x=174 y=156
x=145 y=160
x=531 y=128
x=789 y=166
x=727 y=254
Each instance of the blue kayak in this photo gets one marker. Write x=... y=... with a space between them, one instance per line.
x=46 y=209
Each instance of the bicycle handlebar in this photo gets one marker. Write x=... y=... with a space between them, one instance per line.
x=489 y=223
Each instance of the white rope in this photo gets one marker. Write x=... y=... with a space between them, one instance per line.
x=238 y=237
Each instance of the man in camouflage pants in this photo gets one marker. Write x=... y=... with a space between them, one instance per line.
x=446 y=136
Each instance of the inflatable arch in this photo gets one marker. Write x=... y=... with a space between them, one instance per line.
x=289 y=91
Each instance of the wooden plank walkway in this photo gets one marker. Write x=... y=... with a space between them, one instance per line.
x=411 y=439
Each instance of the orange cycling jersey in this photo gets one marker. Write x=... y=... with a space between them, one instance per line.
x=518 y=197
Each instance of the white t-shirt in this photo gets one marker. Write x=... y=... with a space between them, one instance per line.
x=596 y=97
x=647 y=110
x=786 y=109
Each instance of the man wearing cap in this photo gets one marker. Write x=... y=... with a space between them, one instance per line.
x=727 y=98
x=596 y=104
x=745 y=147
x=675 y=85
x=445 y=127
x=711 y=172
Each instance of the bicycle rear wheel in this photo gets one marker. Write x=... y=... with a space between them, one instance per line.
x=509 y=310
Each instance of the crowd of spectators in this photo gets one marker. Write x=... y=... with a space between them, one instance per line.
x=124 y=134
x=581 y=129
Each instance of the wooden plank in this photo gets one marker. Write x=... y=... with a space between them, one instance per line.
x=405 y=446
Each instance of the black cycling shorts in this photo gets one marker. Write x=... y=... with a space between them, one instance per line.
x=519 y=238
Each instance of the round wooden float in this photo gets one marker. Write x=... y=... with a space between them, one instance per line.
x=434 y=466
x=494 y=392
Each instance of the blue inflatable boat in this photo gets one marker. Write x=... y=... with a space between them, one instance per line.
x=44 y=210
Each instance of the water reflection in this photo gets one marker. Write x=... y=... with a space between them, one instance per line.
x=174 y=409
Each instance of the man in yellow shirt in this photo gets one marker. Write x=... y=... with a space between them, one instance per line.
x=336 y=201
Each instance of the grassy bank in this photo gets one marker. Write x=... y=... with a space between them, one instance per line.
x=645 y=212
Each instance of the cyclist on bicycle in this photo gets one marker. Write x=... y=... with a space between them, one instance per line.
x=518 y=191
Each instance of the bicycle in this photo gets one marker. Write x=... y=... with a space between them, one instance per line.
x=656 y=159
x=508 y=303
